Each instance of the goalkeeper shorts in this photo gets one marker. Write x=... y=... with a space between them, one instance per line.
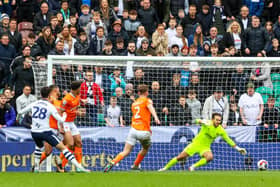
x=192 y=149
x=143 y=136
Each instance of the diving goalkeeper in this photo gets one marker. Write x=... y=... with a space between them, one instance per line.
x=210 y=130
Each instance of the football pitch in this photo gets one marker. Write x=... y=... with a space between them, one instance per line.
x=143 y=179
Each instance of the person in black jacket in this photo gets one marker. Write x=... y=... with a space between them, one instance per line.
x=23 y=75
x=232 y=8
x=232 y=37
x=244 y=19
x=275 y=51
x=256 y=38
x=14 y=36
x=190 y=21
x=42 y=18
x=97 y=43
x=180 y=113
x=270 y=121
x=25 y=10
x=205 y=19
x=148 y=17
x=81 y=46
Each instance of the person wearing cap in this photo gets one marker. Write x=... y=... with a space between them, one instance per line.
x=116 y=32
x=174 y=50
x=5 y=19
x=216 y=103
x=145 y=48
x=251 y=106
x=117 y=80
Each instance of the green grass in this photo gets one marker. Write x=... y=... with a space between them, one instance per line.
x=143 y=179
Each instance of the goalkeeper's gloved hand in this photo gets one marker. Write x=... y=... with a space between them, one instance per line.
x=241 y=150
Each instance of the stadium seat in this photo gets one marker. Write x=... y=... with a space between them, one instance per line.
x=276 y=89
x=265 y=92
x=275 y=77
x=25 y=28
x=277 y=102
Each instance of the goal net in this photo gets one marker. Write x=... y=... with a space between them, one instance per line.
x=182 y=89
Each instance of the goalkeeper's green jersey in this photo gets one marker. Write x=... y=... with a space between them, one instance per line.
x=208 y=133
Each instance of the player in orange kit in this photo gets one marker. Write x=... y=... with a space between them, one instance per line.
x=72 y=137
x=140 y=130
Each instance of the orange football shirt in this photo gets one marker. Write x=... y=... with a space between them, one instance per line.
x=141 y=118
x=70 y=104
x=53 y=121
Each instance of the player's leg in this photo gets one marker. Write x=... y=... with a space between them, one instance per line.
x=39 y=148
x=145 y=140
x=78 y=152
x=47 y=152
x=69 y=156
x=206 y=157
x=183 y=155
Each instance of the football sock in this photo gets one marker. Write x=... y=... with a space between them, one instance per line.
x=201 y=162
x=78 y=154
x=138 y=159
x=118 y=158
x=171 y=163
x=69 y=156
x=43 y=157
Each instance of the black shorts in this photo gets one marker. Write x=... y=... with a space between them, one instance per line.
x=48 y=136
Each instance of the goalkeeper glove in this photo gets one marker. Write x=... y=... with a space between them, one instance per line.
x=241 y=150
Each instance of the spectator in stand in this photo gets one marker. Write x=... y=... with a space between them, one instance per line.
x=25 y=10
x=194 y=106
x=42 y=18
x=139 y=78
x=108 y=15
x=79 y=73
x=251 y=106
x=205 y=19
x=238 y=82
x=96 y=22
x=108 y=46
x=14 y=36
x=147 y=15
x=120 y=49
x=35 y=50
x=270 y=121
x=174 y=50
x=232 y=8
x=125 y=102
x=171 y=30
x=160 y=40
x=113 y=114
x=54 y=6
x=58 y=48
x=275 y=52
x=25 y=99
x=117 y=80
x=276 y=28
x=60 y=19
x=119 y=92
x=10 y=97
x=214 y=38
x=97 y=43
x=64 y=77
x=197 y=39
x=234 y=118
x=74 y=23
x=270 y=11
x=116 y=32
x=176 y=5
x=65 y=11
x=244 y=19
x=269 y=29
x=216 y=103
x=91 y=96
x=256 y=38
x=255 y=7
x=198 y=86
x=8 y=53
x=18 y=61
x=185 y=51
x=218 y=16
x=69 y=41
x=190 y=21
x=140 y=35
x=7 y=6
x=85 y=18
x=7 y=113
x=4 y=26
x=180 y=113
x=81 y=46
x=163 y=10
x=46 y=41
x=132 y=23
x=103 y=81
x=260 y=74
x=179 y=38
x=145 y=49
x=233 y=37
x=23 y=75
x=73 y=32
x=55 y=27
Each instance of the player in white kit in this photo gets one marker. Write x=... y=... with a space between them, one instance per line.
x=41 y=131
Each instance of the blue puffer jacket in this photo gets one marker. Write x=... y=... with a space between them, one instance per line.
x=10 y=115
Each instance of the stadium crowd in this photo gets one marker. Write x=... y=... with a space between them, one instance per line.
x=31 y=30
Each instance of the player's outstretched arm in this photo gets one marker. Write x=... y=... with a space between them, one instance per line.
x=240 y=150
x=232 y=143
x=154 y=114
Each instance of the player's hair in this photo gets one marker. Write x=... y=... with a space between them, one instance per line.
x=75 y=85
x=216 y=114
x=52 y=87
x=45 y=91
x=143 y=88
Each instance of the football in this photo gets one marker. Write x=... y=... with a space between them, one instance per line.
x=262 y=165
